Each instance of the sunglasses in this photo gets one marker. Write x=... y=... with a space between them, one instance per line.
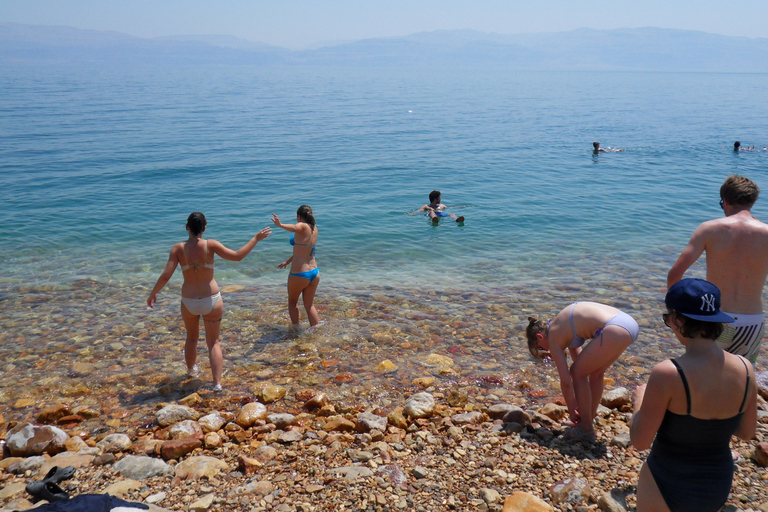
x=722 y=202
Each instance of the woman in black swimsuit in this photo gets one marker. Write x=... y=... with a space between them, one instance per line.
x=692 y=405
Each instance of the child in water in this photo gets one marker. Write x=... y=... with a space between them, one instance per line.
x=436 y=210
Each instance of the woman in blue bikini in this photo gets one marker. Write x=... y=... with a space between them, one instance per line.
x=610 y=330
x=200 y=295
x=305 y=275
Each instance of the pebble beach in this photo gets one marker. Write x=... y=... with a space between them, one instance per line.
x=400 y=400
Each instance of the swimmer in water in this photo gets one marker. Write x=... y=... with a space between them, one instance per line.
x=435 y=209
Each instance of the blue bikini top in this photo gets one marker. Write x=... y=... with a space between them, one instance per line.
x=311 y=254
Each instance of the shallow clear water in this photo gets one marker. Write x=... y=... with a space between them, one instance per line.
x=100 y=167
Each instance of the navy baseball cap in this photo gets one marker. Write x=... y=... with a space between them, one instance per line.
x=697 y=299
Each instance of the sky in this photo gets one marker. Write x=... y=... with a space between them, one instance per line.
x=297 y=24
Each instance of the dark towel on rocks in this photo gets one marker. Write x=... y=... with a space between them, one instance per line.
x=91 y=503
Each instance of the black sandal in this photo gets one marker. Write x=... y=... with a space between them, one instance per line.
x=38 y=490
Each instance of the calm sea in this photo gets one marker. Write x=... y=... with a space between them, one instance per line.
x=99 y=168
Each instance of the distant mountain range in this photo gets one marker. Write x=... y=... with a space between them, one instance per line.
x=642 y=49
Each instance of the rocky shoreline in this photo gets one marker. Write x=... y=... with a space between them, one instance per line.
x=297 y=450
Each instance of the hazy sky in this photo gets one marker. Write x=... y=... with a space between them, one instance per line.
x=300 y=23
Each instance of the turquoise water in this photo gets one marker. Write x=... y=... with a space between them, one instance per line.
x=100 y=168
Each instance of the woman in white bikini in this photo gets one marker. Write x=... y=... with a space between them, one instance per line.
x=200 y=295
x=610 y=330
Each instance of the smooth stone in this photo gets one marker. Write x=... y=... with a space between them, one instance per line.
x=420 y=472
x=212 y=422
x=524 y=502
x=185 y=429
x=396 y=419
x=155 y=498
x=423 y=382
x=517 y=416
x=468 y=418
x=26 y=439
x=570 y=490
x=248 y=465
x=251 y=413
x=177 y=448
x=202 y=504
x=62 y=460
x=497 y=411
x=174 y=413
x=553 y=411
x=122 y=487
x=339 y=424
x=200 y=467
x=367 y=421
x=386 y=366
x=114 y=443
x=621 y=440
x=282 y=420
x=213 y=440
x=760 y=454
x=140 y=468
x=616 y=398
x=289 y=436
x=11 y=490
x=272 y=393
x=191 y=400
x=53 y=413
x=439 y=361
x=350 y=473
x=490 y=496
x=612 y=501
x=264 y=454
x=30 y=464
x=420 y=405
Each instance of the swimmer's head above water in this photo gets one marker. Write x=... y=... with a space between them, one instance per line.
x=304 y=213
x=535 y=327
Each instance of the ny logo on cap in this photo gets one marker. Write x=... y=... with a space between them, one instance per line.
x=707 y=302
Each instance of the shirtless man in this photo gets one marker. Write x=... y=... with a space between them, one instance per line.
x=436 y=209
x=737 y=263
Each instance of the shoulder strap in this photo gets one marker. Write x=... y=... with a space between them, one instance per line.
x=685 y=384
x=746 y=389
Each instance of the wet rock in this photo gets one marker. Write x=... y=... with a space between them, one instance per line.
x=270 y=393
x=396 y=419
x=191 y=400
x=386 y=366
x=367 y=421
x=174 y=413
x=339 y=424
x=200 y=467
x=177 y=448
x=316 y=401
x=612 y=501
x=185 y=429
x=282 y=420
x=616 y=398
x=114 y=443
x=26 y=439
x=468 y=418
x=438 y=361
x=423 y=382
x=420 y=405
x=760 y=454
x=140 y=467
x=53 y=413
x=212 y=422
x=250 y=414
x=350 y=473
x=524 y=502
x=457 y=399
x=570 y=490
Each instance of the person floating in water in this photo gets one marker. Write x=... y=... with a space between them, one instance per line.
x=596 y=149
x=737 y=147
x=435 y=209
